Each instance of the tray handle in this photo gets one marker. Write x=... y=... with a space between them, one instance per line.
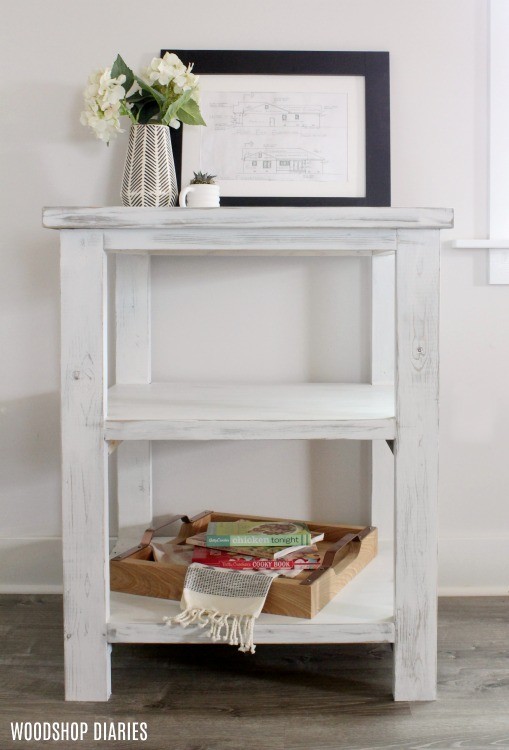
x=148 y=534
x=335 y=553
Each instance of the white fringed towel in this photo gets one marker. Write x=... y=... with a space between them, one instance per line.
x=226 y=601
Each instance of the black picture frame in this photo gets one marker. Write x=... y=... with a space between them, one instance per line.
x=373 y=66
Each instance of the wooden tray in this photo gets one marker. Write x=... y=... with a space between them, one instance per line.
x=346 y=550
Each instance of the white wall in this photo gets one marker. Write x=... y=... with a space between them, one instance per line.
x=283 y=319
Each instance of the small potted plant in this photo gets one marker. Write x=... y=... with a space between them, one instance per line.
x=202 y=192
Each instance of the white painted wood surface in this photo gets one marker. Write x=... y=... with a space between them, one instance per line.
x=213 y=411
x=383 y=298
x=499 y=148
x=498 y=268
x=382 y=373
x=133 y=365
x=240 y=240
x=252 y=430
x=363 y=612
x=142 y=411
x=84 y=467
x=158 y=632
x=491 y=244
x=310 y=219
x=498 y=243
x=132 y=307
x=416 y=464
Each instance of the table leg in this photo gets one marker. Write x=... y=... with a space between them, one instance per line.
x=84 y=466
x=416 y=464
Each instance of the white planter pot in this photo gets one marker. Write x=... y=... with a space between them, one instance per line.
x=199 y=196
x=149 y=171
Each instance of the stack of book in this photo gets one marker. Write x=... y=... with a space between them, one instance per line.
x=285 y=546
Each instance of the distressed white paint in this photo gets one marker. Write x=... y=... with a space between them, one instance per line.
x=212 y=411
x=132 y=306
x=134 y=489
x=133 y=365
x=237 y=240
x=416 y=464
x=158 y=632
x=382 y=319
x=84 y=466
x=259 y=219
x=255 y=401
x=374 y=429
x=382 y=373
x=248 y=231
x=299 y=410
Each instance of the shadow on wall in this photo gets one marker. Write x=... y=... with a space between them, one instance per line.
x=340 y=481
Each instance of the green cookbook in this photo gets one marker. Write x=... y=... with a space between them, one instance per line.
x=254 y=533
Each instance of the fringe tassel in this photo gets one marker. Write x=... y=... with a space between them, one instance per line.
x=238 y=629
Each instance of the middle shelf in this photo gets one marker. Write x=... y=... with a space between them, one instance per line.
x=218 y=411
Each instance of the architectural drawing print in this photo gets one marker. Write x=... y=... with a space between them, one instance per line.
x=264 y=114
x=282 y=161
x=263 y=136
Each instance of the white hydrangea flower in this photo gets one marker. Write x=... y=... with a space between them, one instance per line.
x=106 y=125
x=165 y=69
x=185 y=80
x=103 y=99
x=111 y=89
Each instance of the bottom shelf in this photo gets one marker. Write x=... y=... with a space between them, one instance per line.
x=363 y=612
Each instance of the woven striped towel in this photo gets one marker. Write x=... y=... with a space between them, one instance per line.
x=227 y=602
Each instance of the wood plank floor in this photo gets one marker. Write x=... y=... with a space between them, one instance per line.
x=283 y=698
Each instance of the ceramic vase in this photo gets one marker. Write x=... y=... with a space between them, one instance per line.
x=149 y=172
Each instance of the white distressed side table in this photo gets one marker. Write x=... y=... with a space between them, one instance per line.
x=399 y=407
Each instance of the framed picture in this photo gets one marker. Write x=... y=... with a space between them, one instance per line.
x=290 y=128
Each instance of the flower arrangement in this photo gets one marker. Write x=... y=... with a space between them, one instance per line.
x=166 y=93
x=203 y=178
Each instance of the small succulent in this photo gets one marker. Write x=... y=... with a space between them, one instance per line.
x=202 y=178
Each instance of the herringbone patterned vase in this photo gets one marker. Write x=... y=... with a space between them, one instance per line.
x=149 y=171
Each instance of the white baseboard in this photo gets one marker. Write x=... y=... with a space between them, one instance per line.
x=31 y=566
x=473 y=567
x=467 y=567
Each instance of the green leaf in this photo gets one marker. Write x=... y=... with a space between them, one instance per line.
x=190 y=113
x=153 y=92
x=139 y=96
x=120 y=68
x=174 y=108
x=139 y=101
x=147 y=110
